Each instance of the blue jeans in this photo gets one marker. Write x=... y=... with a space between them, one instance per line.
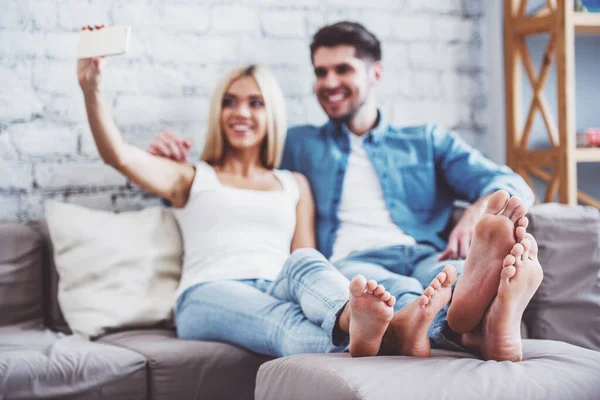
x=405 y=271
x=294 y=314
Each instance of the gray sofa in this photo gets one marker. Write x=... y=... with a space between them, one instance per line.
x=39 y=358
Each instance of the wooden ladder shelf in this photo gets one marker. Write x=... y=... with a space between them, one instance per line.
x=557 y=19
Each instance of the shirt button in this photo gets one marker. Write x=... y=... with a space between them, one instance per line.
x=340 y=171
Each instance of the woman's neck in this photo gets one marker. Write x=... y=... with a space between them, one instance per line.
x=241 y=163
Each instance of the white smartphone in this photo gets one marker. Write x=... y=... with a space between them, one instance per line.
x=108 y=41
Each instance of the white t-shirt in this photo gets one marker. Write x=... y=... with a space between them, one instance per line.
x=231 y=233
x=365 y=222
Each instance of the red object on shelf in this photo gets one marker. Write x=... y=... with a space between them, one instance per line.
x=589 y=137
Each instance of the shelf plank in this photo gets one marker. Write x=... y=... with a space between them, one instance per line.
x=585 y=198
x=543 y=157
x=588 y=154
x=534 y=25
x=582 y=197
x=587 y=23
x=584 y=23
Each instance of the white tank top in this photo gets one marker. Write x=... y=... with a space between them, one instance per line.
x=231 y=233
x=365 y=222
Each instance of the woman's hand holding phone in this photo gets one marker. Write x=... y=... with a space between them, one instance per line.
x=89 y=70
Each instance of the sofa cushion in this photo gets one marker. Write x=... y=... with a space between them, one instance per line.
x=21 y=255
x=132 y=387
x=36 y=363
x=181 y=369
x=566 y=307
x=550 y=371
x=116 y=270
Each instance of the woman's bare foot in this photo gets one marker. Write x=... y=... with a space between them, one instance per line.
x=520 y=278
x=366 y=316
x=407 y=334
x=495 y=234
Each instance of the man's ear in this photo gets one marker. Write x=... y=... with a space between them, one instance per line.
x=376 y=73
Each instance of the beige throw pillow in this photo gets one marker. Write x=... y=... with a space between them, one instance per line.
x=115 y=270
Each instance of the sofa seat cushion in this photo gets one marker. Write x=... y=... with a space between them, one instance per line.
x=550 y=370
x=44 y=364
x=181 y=369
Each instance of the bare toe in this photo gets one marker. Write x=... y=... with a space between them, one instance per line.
x=497 y=202
x=429 y=292
x=441 y=277
x=519 y=213
x=391 y=301
x=358 y=285
x=517 y=250
x=526 y=247
x=523 y=221
x=512 y=205
x=508 y=272
x=533 y=250
x=371 y=286
x=509 y=260
x=379 y=290
x=520 y=233
x=450 y=274
x=385 y=296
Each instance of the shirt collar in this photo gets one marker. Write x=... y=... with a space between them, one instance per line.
x=337 y=129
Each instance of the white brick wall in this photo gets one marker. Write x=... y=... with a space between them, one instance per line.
x=76 y=175
x=9 y=208
x=44 y=140
x=178 y=51
x=7 y=149
x=294 y=26
x=235 y=19
x=15 y=175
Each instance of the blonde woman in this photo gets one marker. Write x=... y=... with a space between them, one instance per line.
x=251 y=276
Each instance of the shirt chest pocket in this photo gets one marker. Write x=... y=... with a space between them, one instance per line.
x=417 y=188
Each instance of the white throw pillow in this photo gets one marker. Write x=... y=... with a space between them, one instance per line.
x=115 y=270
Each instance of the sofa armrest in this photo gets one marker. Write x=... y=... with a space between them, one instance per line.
x=567 y=304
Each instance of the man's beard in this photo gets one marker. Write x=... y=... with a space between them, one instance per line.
x=346 y=118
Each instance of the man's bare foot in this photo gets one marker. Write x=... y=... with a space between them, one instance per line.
x=407 y=334
x=366 y=316
x=521 y=276
x=495 y=235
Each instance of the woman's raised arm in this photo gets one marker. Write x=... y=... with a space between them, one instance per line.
x=158 y=175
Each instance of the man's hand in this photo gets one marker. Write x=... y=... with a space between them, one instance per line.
x=169 y=145
x=461 y=236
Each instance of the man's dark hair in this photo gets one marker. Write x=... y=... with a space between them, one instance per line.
x=348 y=33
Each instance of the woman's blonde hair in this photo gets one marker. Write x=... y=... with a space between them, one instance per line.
x=215 y=146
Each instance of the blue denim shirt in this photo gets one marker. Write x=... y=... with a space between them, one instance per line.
x=422 y=170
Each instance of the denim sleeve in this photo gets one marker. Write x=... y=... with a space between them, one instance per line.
x=470 y=174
